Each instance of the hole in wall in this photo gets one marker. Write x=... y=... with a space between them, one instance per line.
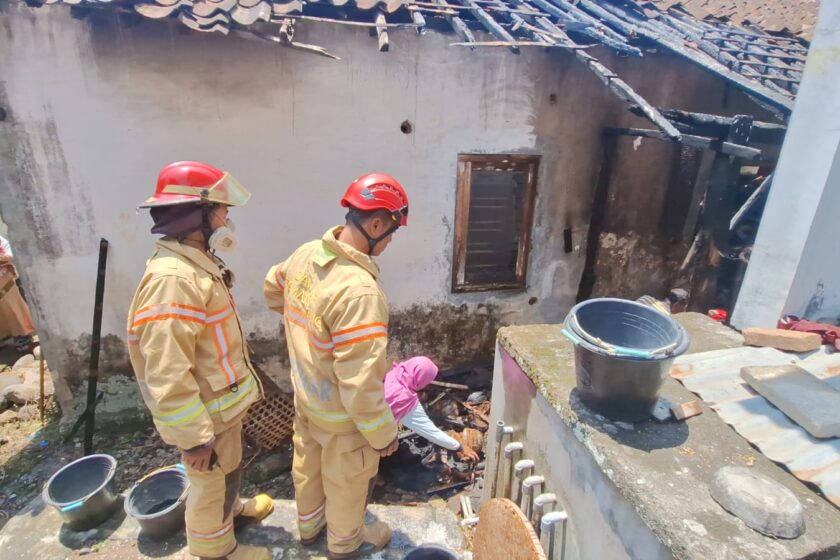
x=406 y=127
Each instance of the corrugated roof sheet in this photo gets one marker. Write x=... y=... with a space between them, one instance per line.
x=797 y=17
x=716 y=378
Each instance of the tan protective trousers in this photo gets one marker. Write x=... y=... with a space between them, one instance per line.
x=15 y=319
x=332 y=475
x=213 y=500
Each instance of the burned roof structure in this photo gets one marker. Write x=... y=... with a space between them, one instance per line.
x=767 y=67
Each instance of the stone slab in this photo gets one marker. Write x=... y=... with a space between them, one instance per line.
x=762 y=503
x=681 y=457
x=37 y=532
x=810 y=402
x=790 y=341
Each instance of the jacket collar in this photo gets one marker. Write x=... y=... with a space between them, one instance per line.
x=213 y=265
x=330 y=243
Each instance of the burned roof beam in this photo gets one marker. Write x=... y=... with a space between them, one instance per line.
x=694 y=30
x=700 y=142
x=759 y=48
x=459 y=26
x=743 y=33
x=764 y=41
x=382 y=32
x=782 y=56
x=551 y=34
x=616 y=85
x=586 y=29
x=783 y=67
x=748 y=205
x=757 y=90
x=514 y=18
x=419 y=21
x=703 y=124
x=491 y=24
x=580 y=16
x=488 y=7
x=620 y=88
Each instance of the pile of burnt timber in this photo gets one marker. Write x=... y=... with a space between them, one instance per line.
x=459 y=403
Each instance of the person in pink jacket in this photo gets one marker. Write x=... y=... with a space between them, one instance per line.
x=401 y=386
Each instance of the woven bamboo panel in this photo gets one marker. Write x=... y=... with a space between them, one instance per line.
x=503 y=531
x=270 y=421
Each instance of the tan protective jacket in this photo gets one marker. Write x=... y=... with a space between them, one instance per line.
x=187 y=347
x=336 y=323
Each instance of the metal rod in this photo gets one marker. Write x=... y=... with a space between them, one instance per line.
x=41 y=397
x=542 y=504
x=521 y=470
x=548 y=527
x=529 y=486
x=96 y=338
x=501 y=432
x=514 y=447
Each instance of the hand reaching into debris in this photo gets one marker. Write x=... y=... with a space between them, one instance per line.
x=199 y=458
x=468 y=454
x=390 y=450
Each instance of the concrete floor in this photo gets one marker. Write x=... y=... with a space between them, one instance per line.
x=37 y=532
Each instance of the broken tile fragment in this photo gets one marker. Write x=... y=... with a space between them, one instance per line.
x=686 y=410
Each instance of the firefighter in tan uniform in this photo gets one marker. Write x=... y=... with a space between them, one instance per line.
x=336 y=325
x=188 y=352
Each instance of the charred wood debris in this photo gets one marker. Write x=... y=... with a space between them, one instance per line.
x=458 y=403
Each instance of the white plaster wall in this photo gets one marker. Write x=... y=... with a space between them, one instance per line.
x=815 y=291
x=98 y=107
x=797 y=237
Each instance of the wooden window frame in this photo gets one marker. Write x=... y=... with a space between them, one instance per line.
x=503 y=162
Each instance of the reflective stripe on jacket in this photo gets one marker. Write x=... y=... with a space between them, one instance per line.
x=187 y=348
x=336 y=323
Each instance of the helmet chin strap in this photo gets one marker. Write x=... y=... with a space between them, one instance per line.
x=372 y=241
x=206 y=227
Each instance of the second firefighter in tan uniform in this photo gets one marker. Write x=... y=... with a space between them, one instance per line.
x=188 y=352
x=336 y=324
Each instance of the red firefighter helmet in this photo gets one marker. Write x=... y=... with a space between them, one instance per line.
x=378 y=191
x=184 y=182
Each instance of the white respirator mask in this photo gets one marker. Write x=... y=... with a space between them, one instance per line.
x=223 y=239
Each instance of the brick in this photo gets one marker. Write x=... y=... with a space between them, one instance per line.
x=686 y=410
x=790 y=341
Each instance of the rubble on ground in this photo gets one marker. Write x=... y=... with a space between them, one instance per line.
x=458 y=403
x=20 y=388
